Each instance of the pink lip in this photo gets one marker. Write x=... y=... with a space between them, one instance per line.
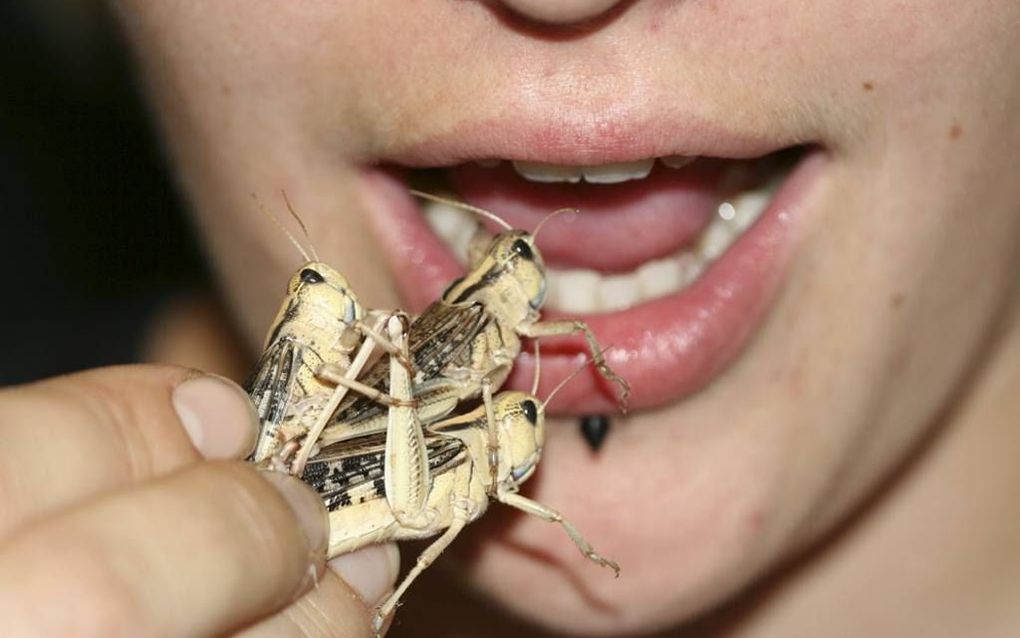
x=667 y=348
x=581 y=139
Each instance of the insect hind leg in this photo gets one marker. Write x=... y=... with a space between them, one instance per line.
x=461 y=516
x=548 y=514
x=406 y=472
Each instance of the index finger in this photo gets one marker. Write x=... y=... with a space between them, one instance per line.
x=70 y=437
x=200 y=552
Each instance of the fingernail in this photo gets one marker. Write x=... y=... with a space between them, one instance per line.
x=308 y=509
x=217 y=415
x=371 y=571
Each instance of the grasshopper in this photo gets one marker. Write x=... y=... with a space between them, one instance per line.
x=414 y=482
x=320 y=323
x=464 y=344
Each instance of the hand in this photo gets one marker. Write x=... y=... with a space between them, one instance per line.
x=124 y=513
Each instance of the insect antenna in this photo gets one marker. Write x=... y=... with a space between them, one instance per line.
x=461 y=205
x=538 y=370
x=279 y=225
x=304 y=229
x=559 y=211
x=573 y=374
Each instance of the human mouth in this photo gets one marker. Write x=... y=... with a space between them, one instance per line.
x=659 y=242
x=673 y=261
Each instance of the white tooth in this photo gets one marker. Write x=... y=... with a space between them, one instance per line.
x=616 y=173
x=716 y=239
x=547 y=173
x=616 y=292
x=572 y=290
x=442 y=219
x=690 y=267
x=454 y=226
x=659 y=277
x=677 y=161
x=478 y=244
x=489 y=162
x=749 y=206
x=461 y=243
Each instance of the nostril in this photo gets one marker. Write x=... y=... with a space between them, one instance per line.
x=560 y=11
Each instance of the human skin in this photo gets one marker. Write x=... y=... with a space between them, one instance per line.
x=110 y=526
x=864 y=426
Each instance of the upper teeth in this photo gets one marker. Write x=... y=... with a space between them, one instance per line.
x=603 y=174
x=582 y=290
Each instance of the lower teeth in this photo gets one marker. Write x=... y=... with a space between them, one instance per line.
x=585 y=291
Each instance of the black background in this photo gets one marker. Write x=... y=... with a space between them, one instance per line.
x=93 y=236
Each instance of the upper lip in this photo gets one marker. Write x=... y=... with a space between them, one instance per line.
x=588 y=139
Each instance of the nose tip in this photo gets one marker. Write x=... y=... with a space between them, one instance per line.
x=560 y=11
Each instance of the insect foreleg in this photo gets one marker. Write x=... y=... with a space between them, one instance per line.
x=492 y=448
x=338 y=376
x=351 y=374
x=373 y=333
x=461 y=517
x=569 y=327
x=548 y=514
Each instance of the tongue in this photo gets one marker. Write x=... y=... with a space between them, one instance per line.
x=620 y=226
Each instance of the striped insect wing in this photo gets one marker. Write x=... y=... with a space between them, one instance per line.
x=353 y=472
x=440 y=338
x=271 y=387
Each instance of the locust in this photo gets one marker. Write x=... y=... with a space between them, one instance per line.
x=464 y=344
x=320 y=325
x=415 y=481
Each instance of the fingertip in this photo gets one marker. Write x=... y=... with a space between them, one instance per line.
x=309 y=510
x=371 y=572
x=217 y=416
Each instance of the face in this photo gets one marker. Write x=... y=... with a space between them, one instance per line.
x=792 y=308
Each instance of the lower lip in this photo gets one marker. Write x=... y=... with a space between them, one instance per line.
x=667 y=348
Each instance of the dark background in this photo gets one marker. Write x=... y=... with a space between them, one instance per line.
x=93 y=236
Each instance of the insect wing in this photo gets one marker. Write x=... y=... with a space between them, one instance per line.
x=440 y=337
x=352 y=472
x=271 y=384
x=276 y=385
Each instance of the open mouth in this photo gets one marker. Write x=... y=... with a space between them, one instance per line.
x=673 y=261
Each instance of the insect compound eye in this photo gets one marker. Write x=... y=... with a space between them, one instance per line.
x=310 y=276
x=522 y=248
x=530 y=411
